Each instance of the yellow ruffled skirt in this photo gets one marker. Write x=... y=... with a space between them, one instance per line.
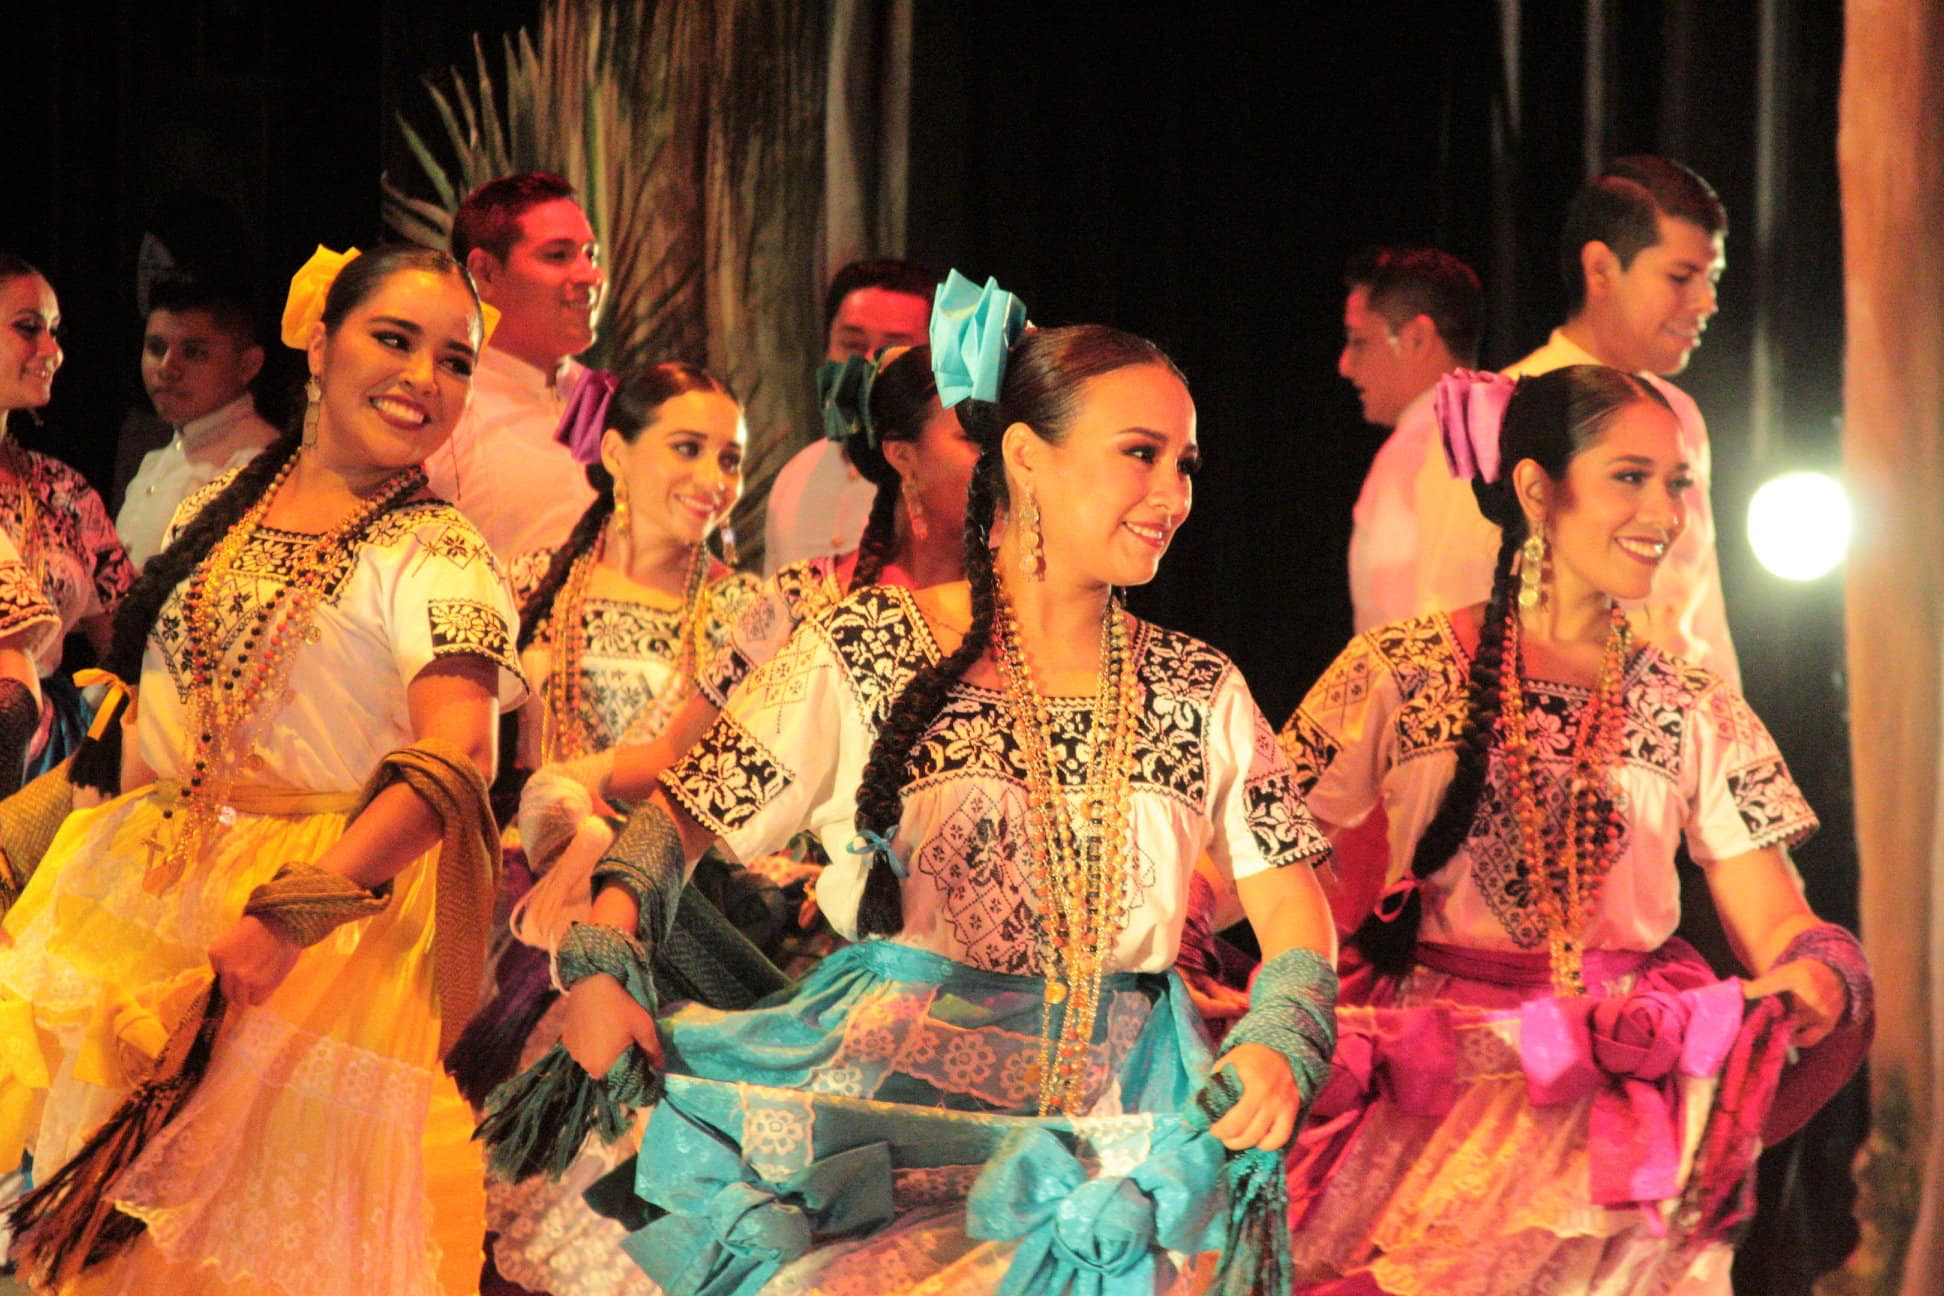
x=325 y=1152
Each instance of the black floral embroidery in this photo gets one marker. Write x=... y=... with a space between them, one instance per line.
x=727 y=778
x=465 y=628
x=981 y=864
x=1772 y=807
x=1310 y=749
x=22 y=600
x=1281 y=824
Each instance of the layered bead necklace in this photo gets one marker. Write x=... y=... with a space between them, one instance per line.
x=565 y=736
x=225 y=696
x=1081 y=863
x=1567 y=860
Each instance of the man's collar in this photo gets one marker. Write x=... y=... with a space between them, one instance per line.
x=201 y=431
x=531 y=379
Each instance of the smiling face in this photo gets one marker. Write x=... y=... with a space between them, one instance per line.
x=397 y=371
x=1115 y=491
x=1649 y=316
x=683 y=472
x=193 y=366
x=30 y=350
x=1621 y=506
x=548 y=289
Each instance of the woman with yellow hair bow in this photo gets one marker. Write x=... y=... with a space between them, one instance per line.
x=316 y=624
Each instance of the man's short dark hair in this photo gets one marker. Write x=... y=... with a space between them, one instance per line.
x=225 y=305
x=490 y=216
x=889 y=274
x=1403 y=283
x=1621 y=207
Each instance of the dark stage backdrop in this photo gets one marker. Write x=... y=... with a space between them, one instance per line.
x=1195 y=172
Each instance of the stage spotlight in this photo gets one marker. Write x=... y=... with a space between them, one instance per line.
x=1799 y=525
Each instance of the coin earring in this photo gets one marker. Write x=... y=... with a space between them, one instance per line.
x=313 y=402
x=1532 y=571
x=915 y=511
x=1035 y=556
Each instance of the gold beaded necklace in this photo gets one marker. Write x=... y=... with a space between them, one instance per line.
x=1081 y=865
x=1586 y=839
x=564 y=735
x=225 y=696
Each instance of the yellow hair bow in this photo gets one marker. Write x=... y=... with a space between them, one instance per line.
x=312 y=284
x=308 y=288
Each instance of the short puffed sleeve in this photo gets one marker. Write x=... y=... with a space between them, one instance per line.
x=24 y=608
x=769 y=615
x=1741 y=796
x=1338 y=740
x=527 y=571
x=785 y=753
x=1257 y=817
x=442 y=594
x=724 y=604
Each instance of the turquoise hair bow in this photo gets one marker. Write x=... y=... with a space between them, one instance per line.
x=844 y=389
x=972 y=329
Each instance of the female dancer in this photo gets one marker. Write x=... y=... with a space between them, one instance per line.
x=1548 y=1051
x=59 y=527
x=887 y=414
x=313 y=614
x=1014 y=834
x=612 y=626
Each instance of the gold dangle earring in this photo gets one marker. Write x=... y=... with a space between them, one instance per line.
x=1532 y=571
x=1035 y=555
x=915 y=511
x=313 y=402
x=620 y=510
x=730 y=556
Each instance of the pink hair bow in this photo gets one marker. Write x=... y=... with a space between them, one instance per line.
x=585 y=417
x=1471 y=411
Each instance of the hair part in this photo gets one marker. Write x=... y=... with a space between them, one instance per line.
x=1622 y=206
x=1402 y=283
x=1552 y=418
x=639 y=396
x=1046 y=371
x=226 y=307
x=489 y=218
x=13 y=267
x=890 y=274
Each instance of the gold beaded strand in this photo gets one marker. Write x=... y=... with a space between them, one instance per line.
x=1080 y=869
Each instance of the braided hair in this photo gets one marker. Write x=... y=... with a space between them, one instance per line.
x=901 y=404
x=97 y=762
x=1551 y=419
x=1045 y=374
x=638 y=398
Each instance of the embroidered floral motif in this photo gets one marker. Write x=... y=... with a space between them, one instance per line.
x=776 y=1132
x=465 y=628
x=727 y=777
x=1772 y=807
x=22 y=600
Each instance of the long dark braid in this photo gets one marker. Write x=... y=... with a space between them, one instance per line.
x=1551 y=419
x=901 y=403
x=1045 y=372
x=587 y=531
x=880 y=799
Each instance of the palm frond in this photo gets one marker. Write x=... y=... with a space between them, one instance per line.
x=693 y=131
